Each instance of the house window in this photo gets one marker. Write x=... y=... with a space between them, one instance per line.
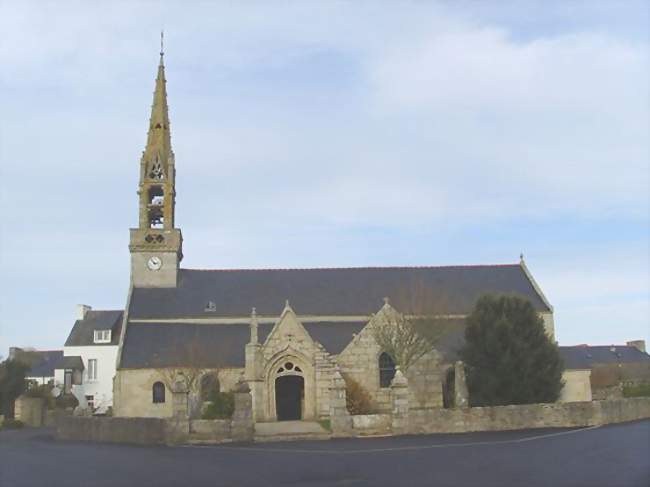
x=90 y=400
x=102 y=336
x=92 y=369
x=386 y=370
x=158 y=391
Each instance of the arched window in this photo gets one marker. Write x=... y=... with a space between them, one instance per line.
x=210 y=387
x=386 y=370
x=158 y=391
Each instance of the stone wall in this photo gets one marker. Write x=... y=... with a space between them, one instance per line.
x=371 y=424
x=555 y=415
x=577 y=386
x=133 y=392
x=144 y=431
x=360 y=361
x=210 y=429
x=29 y=410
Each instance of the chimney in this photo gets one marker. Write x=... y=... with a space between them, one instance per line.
x=82 y=309
x=638 y=344
x=13 y=352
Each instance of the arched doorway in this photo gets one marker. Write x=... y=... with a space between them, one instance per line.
x=289 y=392
x=289 y=396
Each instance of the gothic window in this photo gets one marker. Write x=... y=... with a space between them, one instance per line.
x=158 y=392
x=386 y=370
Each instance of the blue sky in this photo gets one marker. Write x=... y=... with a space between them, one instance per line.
x=330 y=134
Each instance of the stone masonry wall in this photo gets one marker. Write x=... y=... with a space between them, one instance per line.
x=360 y=361
x=144 y=431
x=29 y=410
x=133 y=392
x=555 y=415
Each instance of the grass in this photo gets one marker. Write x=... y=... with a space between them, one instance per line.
x=326 y=424
x=641 y=390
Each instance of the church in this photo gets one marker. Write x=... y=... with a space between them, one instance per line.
x=284 y=332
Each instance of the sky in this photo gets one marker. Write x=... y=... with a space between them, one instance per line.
x=331 y=133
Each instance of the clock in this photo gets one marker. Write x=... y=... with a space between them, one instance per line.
x=154 y=263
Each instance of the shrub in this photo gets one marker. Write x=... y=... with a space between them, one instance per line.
x=357 y=399
x=12 y=424
x=221 y=406
x=65 y=401
x=639 y=390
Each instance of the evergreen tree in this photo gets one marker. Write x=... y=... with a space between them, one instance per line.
x=12 y=385
x=509 y=358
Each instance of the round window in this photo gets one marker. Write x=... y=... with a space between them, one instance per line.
x=288 y=366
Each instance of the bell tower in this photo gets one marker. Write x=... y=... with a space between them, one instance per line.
x=156 y=245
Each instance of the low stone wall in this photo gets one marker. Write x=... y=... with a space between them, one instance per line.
x=29 y=410
x=371 y=424
x=145 y=431
x=554 y=415
x=52 y=417
x=210 y=429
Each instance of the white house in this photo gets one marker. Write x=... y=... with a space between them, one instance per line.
x=89 y=357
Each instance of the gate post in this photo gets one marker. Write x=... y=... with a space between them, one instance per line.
x=242 y=424
x=399 y=393
x=340 y=419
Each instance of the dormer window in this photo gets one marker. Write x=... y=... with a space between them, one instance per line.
x=102 y=336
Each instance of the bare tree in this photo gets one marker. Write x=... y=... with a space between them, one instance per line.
x=408 y=333
x=194 y=360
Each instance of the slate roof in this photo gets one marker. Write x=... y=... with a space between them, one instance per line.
x=71 y=362
x=172 y=344
x=82 y=332
x=222 y=345
x=329 y=292
x=42 y=362
x=585 y=357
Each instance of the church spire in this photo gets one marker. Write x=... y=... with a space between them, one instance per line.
x=159 y=138
x=156 y=245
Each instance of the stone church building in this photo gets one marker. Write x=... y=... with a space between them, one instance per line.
x=283 y=331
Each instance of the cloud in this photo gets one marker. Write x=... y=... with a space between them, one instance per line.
x=332 y=133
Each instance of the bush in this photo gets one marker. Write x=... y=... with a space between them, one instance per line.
x=639 y=390
x=12 y=424
x=357 y=399
x=65 y=401
x=220 y=406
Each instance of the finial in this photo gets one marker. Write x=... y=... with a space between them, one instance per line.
x=253 y=312
x=386 y=300
x=521 y=257
x=286 y=304
x=162 y=39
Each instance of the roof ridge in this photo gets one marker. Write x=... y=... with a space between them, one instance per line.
x=396 y=267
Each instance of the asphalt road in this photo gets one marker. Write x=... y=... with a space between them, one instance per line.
x=617 y=455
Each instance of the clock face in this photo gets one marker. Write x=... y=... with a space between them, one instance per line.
x=154 y=263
